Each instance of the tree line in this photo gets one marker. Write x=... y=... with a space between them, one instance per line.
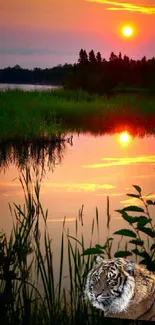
x=96 y=74
x=18 y=75
x=92 y=73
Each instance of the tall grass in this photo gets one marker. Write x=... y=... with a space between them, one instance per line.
x=29 y=293
x=36 y=113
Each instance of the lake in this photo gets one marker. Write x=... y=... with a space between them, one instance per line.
x=84 y=171
x=27 y=87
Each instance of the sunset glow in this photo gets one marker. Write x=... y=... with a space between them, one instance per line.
x=127 y=31
x=125 y=138
x=96 y=25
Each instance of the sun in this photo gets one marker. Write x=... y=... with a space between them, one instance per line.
x=127 y=31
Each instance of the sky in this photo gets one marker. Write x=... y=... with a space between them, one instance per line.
x=46 y=33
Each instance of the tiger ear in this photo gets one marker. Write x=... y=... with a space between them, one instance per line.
x=130 y=268
x=99 y=259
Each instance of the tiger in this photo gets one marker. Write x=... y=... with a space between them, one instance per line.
x=121 y=288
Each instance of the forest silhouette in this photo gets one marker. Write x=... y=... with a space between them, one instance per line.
x=92 y=73
x=53 y=76
x=96 y=74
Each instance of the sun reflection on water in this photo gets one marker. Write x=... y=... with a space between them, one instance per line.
x=125 y=138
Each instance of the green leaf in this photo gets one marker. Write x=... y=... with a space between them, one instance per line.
x=143 y=221
x=137 y=252
x=148 y=263
x=137 y=196
x=93 y=250
x=130 y=219
x=152 y=247
x=109 y=239
x=122 y=254
x=137 y=188
x=100 y=247
x=133 y=208
x=125 y=216
x=106 y=243
x=150 y=202
x=125 y=232
x=147 y=231
x=137 y=242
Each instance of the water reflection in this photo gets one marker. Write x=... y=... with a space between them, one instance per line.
x=89 y=168
x=38 y=152
x=26 y=87
x=125 y=138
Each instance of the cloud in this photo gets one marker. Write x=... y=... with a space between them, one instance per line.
x=134 y=201
x=109 y=162
x=78 y=187
x=9 y=184
x=144 y=176
x=8 y=189
x=33 y=51
x=131 y=201
x=111 y=194
x=117 y=5
x=62 y=220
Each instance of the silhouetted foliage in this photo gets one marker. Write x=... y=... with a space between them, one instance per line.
x=92 y=58
x=94 y=74
x=98 y=58
x=83 y=57
x=54 y=76
x=141 y=232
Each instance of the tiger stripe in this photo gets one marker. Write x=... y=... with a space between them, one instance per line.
x=122 y=289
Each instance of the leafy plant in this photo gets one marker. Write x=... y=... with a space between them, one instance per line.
x=28 y=290
x=143 y=229
x=141 y=232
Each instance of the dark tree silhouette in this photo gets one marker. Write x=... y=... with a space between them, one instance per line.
x=56 y=75
x=92 y=58
x=98 y=58
x=120 y=56
x=83 y=57
x=113 y=57
x=120 y=73
x=92 y=73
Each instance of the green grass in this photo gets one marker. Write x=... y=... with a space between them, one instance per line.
x=34 y=114
x=29 y=294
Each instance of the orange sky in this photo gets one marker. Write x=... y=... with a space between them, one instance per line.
x=48 y=32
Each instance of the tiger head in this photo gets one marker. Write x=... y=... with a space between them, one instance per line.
x=110 y=285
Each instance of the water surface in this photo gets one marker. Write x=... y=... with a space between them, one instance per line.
x=83 y=172
x=27 y=87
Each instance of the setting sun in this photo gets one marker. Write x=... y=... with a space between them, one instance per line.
x=127 y=31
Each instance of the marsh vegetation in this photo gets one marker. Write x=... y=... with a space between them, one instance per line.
x=30 y=115
x=28 y=290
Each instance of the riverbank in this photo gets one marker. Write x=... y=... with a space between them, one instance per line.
x=37 y=113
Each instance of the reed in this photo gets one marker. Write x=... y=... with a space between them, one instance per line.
x=29 y=293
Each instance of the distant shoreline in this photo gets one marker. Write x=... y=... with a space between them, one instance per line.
x=27 y=87
x=30 y=83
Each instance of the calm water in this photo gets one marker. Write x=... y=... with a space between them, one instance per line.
x=27 y=87
x=81 y=174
